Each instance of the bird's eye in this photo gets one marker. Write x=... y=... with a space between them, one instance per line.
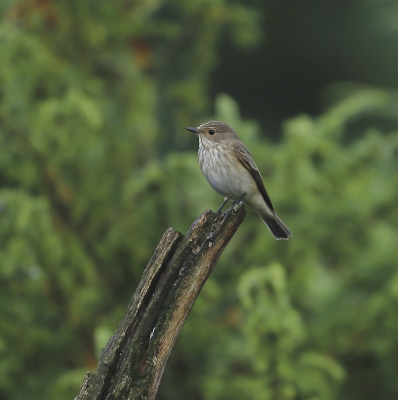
x=212 y=131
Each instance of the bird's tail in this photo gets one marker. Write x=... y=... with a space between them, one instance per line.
x=276 y=226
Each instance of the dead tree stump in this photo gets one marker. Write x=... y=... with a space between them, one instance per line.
x=132 y=363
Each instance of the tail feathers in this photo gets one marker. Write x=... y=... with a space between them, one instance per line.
x=276 y=226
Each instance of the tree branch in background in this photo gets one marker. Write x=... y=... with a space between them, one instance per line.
x=132 y=363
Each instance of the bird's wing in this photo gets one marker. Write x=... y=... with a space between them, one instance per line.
x=247 y=160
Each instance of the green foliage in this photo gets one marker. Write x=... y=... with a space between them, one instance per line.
x=271 y=361
x=326 y=325
x=94 y=98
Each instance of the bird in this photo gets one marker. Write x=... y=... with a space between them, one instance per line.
x=230 y=170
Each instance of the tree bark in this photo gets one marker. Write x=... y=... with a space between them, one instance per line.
x=132 y=363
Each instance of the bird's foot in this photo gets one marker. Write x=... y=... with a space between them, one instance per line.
x=237 y=202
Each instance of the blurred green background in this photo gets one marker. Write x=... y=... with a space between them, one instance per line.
x=95 y=164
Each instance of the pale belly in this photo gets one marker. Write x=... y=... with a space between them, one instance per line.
x=227 y=176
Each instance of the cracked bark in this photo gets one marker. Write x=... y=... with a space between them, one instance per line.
x=132 y=363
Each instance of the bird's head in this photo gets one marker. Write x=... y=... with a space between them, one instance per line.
x=214 y=131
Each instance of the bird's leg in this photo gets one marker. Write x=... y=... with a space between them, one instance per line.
x=223 y=204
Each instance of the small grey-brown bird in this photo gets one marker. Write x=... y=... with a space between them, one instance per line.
x=231 y=171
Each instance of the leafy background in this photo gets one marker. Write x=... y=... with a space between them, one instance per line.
x=95 y=164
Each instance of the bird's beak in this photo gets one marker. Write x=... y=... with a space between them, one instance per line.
x=195 y=130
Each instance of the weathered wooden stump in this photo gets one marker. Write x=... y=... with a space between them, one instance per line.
x=132 y=363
